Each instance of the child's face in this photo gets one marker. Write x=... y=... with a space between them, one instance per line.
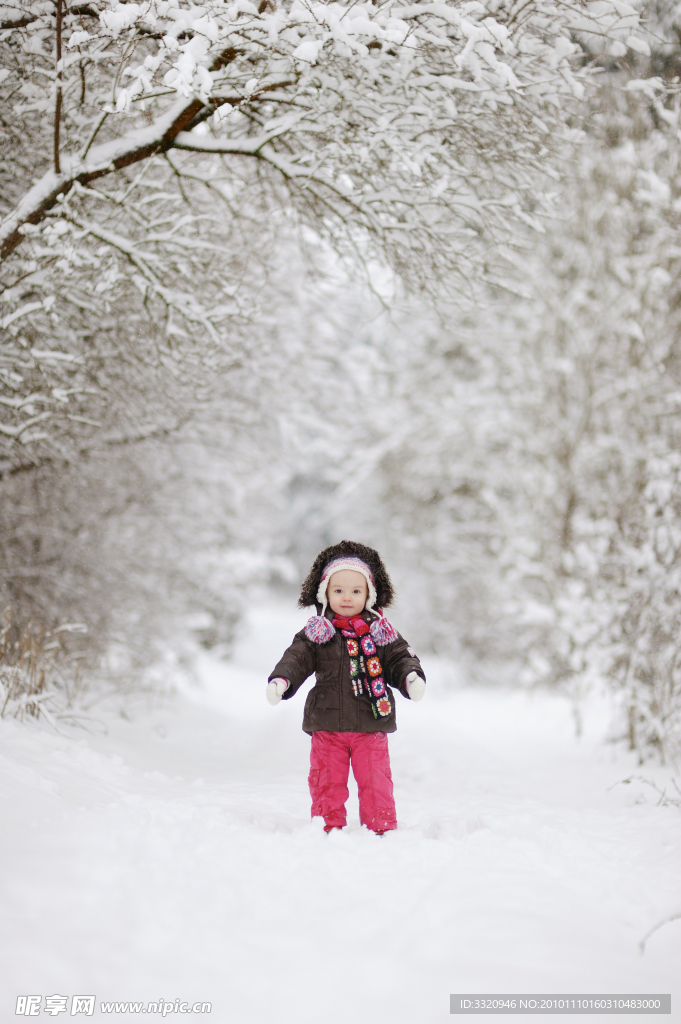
x=347 y=593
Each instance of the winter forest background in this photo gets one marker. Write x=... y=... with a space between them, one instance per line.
x=274 y=275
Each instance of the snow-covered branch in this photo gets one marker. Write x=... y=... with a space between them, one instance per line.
x=375 y=85
x=109 y=157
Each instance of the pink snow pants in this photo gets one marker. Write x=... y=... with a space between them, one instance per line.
x=330 y=758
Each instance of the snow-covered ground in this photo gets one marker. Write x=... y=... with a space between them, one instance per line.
x=173 y=857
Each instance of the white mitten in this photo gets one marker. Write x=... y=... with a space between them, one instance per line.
x=415 y=686
x=275 y=690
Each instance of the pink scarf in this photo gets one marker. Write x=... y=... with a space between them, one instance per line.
x=366 y=671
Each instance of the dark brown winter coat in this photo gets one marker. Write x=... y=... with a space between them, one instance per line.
x=331 y=704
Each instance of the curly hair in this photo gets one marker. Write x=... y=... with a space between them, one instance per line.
x=384 y=588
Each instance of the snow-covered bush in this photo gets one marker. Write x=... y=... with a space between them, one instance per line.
x=39 y=669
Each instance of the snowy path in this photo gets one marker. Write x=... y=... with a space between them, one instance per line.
x=174 y=858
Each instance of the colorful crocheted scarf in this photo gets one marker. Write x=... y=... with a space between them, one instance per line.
x=366 y=671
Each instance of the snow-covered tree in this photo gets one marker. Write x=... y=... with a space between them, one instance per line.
x=145 y=147
x=154 y=540
x=379 y=116
x=535 y=486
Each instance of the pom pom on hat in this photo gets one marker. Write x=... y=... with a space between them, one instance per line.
x=319 y=630
x=383 y=632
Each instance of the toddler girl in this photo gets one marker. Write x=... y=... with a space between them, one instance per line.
x=357 y=656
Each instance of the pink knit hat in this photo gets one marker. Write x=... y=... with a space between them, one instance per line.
x=347 y=562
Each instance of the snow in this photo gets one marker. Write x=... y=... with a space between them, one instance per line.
x=172 y=856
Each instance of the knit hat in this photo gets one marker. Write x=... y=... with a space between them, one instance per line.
x=348 y=549
x=346 y=562
x=360 y=558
